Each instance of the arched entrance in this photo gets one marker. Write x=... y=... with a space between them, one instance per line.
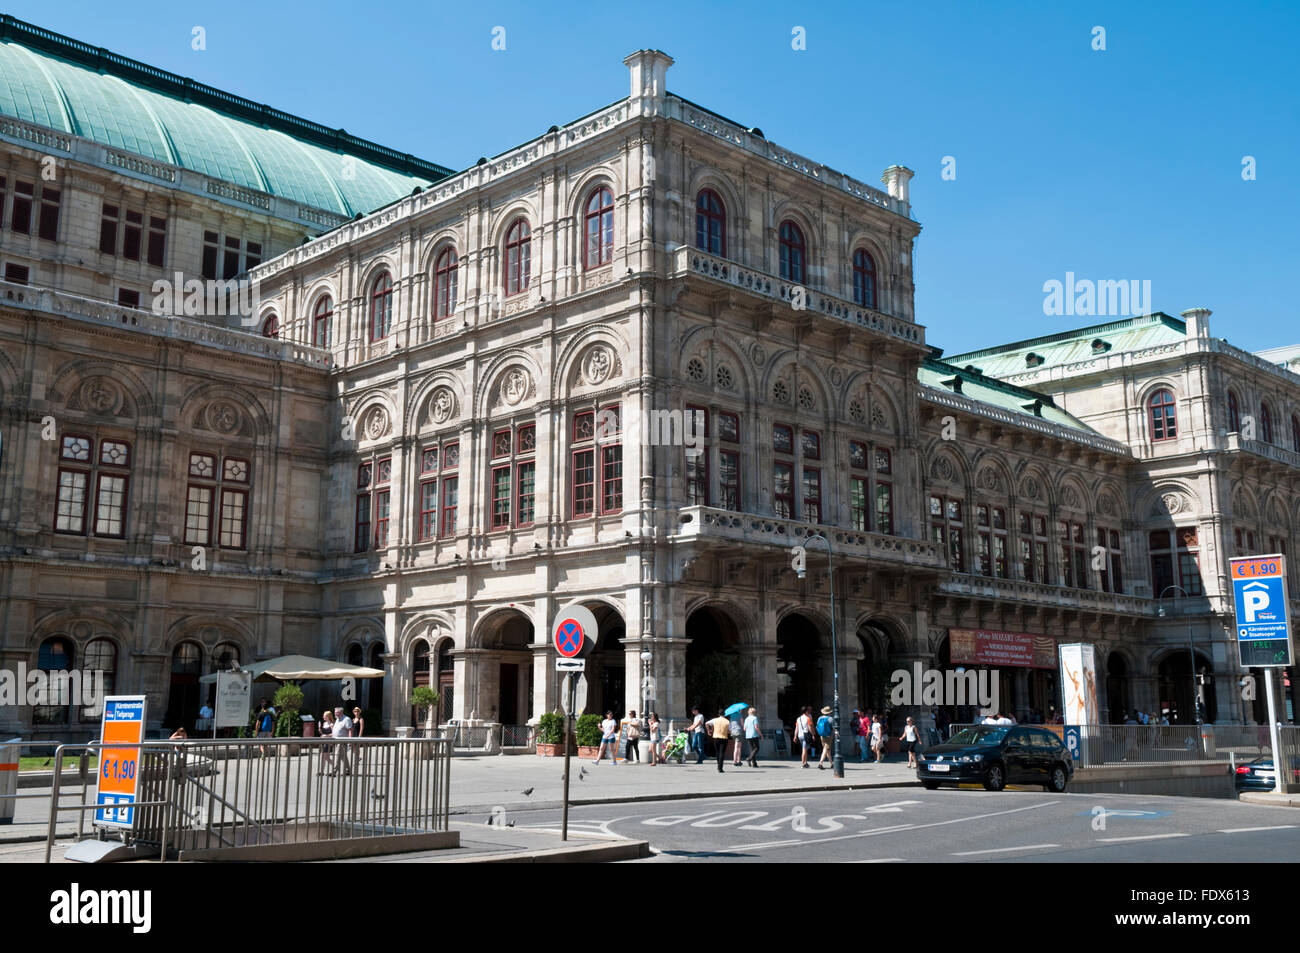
x=508 y=638
x=183 y=696
x=716 y=674
x=798 y=669
x=607 y=688
x=1178 y=688
x=419 y=673
x=1118 y=692
x=873 y=667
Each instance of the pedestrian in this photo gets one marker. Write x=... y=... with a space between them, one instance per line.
x=358 y=724
x=719 y=728
x=608 y=739
x=697 y=734
x=864 y=738
x=656 y=755
x=911 y=741
x=753 y=737
x=633 y=737
x=326 y=731
x=825 y=731
x=878 y=739
x=264 y=722
x=342 y=729
x=737 y=734
x=179 y=735
x=804 y=733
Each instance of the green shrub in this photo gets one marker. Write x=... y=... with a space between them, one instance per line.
x=288 y=725
x=587 y=731
x=550 y=728
x=288 y=697
x=423 y=698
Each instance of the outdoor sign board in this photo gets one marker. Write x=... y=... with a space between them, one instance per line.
x=234 y=690
x=122 y=723
x=1260 y=593
x=1079 y=691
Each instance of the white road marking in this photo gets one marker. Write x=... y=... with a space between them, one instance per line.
x=1247 y=830
x=896 y=828
x=880 y=860
x=890 y=808
x=1116 y=840
x=1002 y=850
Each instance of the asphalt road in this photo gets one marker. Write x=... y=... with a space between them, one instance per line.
x=948 y=825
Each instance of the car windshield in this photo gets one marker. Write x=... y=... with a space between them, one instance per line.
x=978 y=736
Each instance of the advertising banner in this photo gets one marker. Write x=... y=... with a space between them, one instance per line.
x=1001 y=649
x=1079 y=691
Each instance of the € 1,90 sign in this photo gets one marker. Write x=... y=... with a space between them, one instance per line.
x=118 y=767
x=1259 y=591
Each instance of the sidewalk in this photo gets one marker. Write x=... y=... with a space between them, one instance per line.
x=1270 y=798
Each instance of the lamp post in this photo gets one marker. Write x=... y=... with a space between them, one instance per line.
x=646 y=656
x=1191 y=654
x=837 y=758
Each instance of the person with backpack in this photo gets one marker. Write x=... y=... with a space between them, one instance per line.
x=804 y=733
x=825 y=731
x=264 y=724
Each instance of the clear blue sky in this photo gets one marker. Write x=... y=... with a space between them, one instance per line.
x=1122 y=164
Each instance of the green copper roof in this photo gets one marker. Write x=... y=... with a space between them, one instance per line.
x=1081 y=344
x=944 y=375
x=52 y=81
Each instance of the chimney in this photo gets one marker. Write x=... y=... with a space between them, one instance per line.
x=1198 y=322
x=648 y=69
x=896 y=178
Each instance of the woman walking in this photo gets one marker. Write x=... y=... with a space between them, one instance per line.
x=608 y=739
x=911 y=740
x=656 y=756
x=805 y=734
x=326 y=731
x=633 y=737
x=878 y=739
x=737 y=731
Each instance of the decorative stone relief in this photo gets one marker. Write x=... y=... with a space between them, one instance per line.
x=1030 y=489
x=222 y=416
x=599 y=365
x=726 y=380
x=857 y=413
x=942 y=469
x=1106 y=505
x=442 y=406
x=806 y=399
x=879 y=419
x=377 y=424
x=695 y=370
x=757 y=355
x=1070 y=498
x=989 y=479
x=1169 y=504
x=515 y=386
x=781 y=392
x=837 y=377
x=101 y=395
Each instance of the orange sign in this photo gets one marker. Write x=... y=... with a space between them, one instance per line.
x=123 y=723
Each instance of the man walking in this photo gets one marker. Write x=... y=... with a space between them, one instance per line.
x=719 y=728
x=752 y=737
x=342 y=729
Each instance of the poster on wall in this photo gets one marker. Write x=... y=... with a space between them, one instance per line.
x=1001 y=649
x=1079 y=691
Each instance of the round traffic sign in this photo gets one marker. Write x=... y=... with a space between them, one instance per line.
x=573 y=633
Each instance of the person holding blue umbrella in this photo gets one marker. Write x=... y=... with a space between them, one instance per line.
x=736 y=712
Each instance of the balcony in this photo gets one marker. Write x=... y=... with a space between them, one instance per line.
x=1039 y=594
x=692 y=261
x=108 y=314
x=1234 y=442
x=725 y=526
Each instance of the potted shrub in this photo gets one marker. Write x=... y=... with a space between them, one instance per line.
x=587 y=734
x=288 y=724
x=550 y=734
x=423 y=700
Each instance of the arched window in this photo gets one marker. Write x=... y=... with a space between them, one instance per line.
x=1234 y=414
x=1295 y=433
x=320 y=322
x=101 y=656
x=598 y=227
x=55 y=656
x=1265 y=423
x=225 y=657
x=710 y=223
x=183 y=698
x=381 y=307
x=518 y=257
x=793 y=252
x=1164 y=421
x=444 y=284
x=864 y=278
x=271 y=327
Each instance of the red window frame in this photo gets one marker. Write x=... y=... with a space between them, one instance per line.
x=381 y=306
x=611 y=478
x=598 y=229
x=811 y=491
x=518 y=257
x=864 y=278
x=711 y=223
x=501 y=496
x=783 y=501
x=525 y=492
x=1163 y=415
x=583 y=483
x=94 y=470
x=728 y=426
x=729 y=489
x=428 y=509
x=228 y=495
x=810 y=445
x=320 y=321
x=794 y=253
x=1295 y=433
x=1265 y=422
x=444 y=284
x=383 y=515
x=450 y=504
x=859 y=490
x=271 y=327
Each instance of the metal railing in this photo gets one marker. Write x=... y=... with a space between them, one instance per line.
x=205 y=795
x=517 y=736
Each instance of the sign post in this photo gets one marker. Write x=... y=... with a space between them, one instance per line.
x=1260 y=595
x=234 y=689
x=573 y=634
x=122 y=723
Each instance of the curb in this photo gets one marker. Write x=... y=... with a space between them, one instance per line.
x=687 y=796
x=1269 y=800
x=590 y=854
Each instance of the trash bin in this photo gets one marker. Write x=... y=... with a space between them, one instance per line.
x=308 y=726
x=8 y=779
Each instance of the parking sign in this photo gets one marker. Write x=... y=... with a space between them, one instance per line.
x=1260 y=594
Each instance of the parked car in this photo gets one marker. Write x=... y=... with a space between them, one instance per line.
x=1258 y=775
x=998 y=755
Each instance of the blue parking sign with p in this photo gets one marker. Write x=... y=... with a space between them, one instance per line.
x=1259 y=593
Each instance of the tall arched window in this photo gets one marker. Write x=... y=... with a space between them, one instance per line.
x=444 y=284
x=1265 y=422
x=864 y=278
x=710 y=223
x=381 y=306
x=55 y=656
x=793 y=252
x=225 y=657
x=320 y=322
x=1295 y=433
x=1234 y=414
x=271 y=327
x=518 y=257
x=598 y=227
x=1164 y=421
x=101 y=656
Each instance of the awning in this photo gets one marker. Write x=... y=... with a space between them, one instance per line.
x=302 y=668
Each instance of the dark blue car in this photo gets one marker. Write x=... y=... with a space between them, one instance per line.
x=998 y=755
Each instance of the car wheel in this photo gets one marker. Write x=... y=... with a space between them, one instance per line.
x=1056 y=779
x=995 y=778
x=930 y=785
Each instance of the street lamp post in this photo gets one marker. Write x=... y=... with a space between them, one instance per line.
x=1191 y=654
x=837 y=758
